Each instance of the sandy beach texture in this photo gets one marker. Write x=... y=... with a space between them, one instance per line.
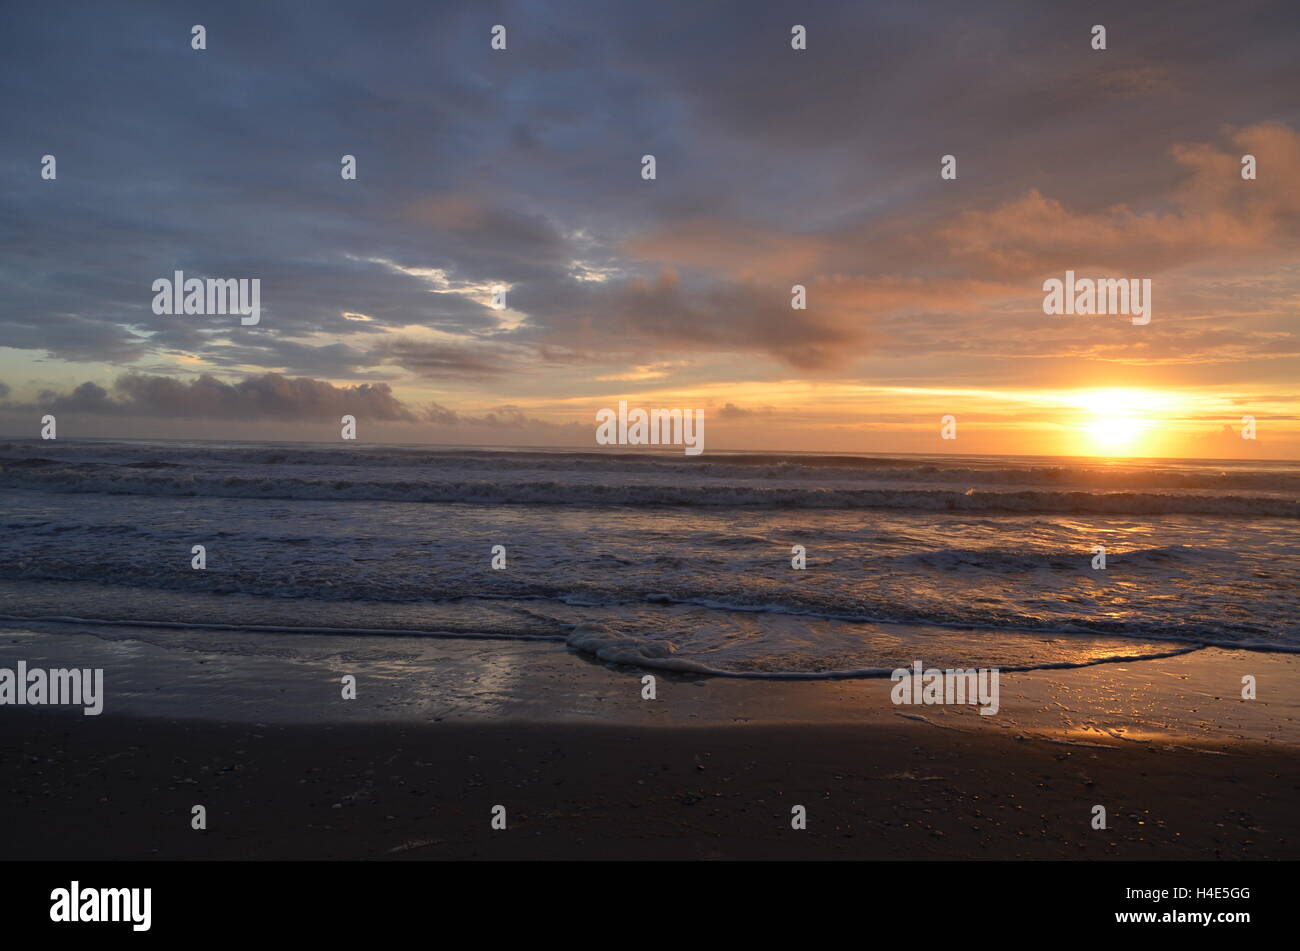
x=585 y=768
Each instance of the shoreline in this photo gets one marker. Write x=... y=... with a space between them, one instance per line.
x=234 y=676
x=586 y=769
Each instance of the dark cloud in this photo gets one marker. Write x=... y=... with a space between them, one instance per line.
x=522 y=168
x=446 y=360
x=500 y=417
x=269 y=396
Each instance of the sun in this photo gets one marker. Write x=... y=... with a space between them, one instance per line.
x=1114 y=433
x=1115 y=421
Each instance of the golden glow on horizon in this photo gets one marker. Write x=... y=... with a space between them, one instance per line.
x=849 y=416
x=1119 y=419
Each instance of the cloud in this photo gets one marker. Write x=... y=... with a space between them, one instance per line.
x=889 y=287
x=732 y=411
x=1213 y=212
x=499 y=417
x=440 y=360
x=269 y=396
x=663 y=315
x=775 y=168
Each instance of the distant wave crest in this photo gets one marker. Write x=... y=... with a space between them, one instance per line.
x=167 y=482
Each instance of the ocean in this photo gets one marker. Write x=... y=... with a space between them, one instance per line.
x=660 y=561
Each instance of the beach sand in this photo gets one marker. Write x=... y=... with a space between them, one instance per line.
x=585 y=768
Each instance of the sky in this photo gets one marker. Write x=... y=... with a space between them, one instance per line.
x=521 y=169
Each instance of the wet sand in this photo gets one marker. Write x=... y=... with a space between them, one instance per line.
x=580 y=791
x=711 y=769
